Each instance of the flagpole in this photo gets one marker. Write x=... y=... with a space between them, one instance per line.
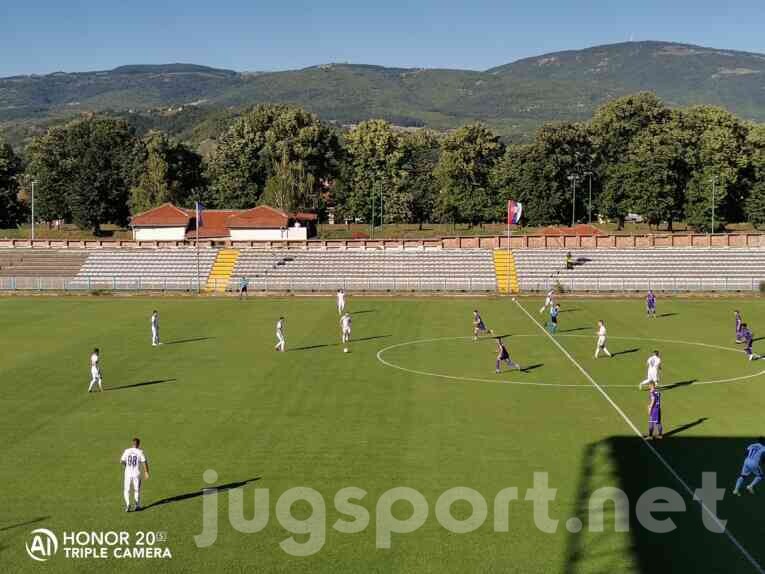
x=197 y=242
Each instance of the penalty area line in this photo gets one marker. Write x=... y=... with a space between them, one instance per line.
x=744 y=552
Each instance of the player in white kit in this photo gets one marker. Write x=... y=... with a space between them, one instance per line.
x=280 y=340
x=345 y=328
x=340 y=301
x=95 y=371
x=549 y=301
x=654 y=366
x=601 y=344
x=755 y=453
x=155 y=329
x=134 y=460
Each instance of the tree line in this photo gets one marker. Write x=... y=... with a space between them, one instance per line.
x=636 y=155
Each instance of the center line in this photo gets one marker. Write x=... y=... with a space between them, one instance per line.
x=647 y=443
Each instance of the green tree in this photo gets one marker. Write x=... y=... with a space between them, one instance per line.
x=718 y=154
x=85 y=171
x=168 y=171
x=463 y=175
x=252 y=149
x=613 y=128
x=290 y=188
x=420 y=184
x=11 y=210
x=755 y=203
x=375 y=173
x=654 y=174
x=537 y=174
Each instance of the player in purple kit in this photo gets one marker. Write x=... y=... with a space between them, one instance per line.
x=650 y=304
x=748 y=338
x=739 y=322
x=504 y=355
x=654 y=412
x=479 y=326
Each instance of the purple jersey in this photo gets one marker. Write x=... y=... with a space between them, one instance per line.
x=503 y=354
x=650 y=301
x=655 y=415
x=739 y=322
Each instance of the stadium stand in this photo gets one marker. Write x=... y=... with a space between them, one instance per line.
x=453 y=270
x=42 y=263
x=609 y=269
x=146 y=268
x=663 y=269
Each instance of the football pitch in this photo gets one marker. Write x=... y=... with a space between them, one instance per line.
x=316 y=439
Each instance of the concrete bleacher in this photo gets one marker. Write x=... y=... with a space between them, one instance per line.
x=451 y=270
x=145 y=268
x=41 y=263
x=664 y=269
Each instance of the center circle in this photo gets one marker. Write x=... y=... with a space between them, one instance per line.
x=467 y=379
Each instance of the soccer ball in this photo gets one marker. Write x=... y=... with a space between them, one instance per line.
x=345 y=350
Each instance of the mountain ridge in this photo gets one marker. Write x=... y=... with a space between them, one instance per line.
x=513 y=98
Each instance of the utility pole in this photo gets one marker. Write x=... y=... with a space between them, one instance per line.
x=34 y=182
x=714 y=183
x=589 y=199
x=573 y=178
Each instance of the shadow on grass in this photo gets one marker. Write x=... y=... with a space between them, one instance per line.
x=325 y=345
x=26 y=523
x=679 y=384
x=573 y=330
x=144 y=384
x=572 y=310
x=685 y=427
x=200 y=492
x=627 y=463
x=660 y=315
x=194 y=340
x=531 y=367
x=362 y=311
x=626 y=352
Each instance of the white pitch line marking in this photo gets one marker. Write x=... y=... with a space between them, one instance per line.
x=655 y=452
x=458 y=379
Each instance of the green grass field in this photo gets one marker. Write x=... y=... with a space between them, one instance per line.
x=431 y=417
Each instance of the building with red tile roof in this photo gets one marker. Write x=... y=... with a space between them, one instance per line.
x=262 y=223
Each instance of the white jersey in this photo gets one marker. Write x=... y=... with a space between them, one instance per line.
x=754 y=454
x=280 y=327
x=653 y=363
x=340 y=298
x=345 y=322
x=94 y=362
x=133 y=458
x=602 y=332
x=155 y=322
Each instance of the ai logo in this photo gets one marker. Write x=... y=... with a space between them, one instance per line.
x=43 y=545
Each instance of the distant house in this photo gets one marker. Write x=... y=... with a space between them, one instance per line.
x=263 y=223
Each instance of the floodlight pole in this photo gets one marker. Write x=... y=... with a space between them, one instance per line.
x=714 y=182
x=589 y=198
x=573 y=178
x=33 y=209
x=196 y=225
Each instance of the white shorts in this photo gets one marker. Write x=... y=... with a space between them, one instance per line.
x=134 y=481
x=653 y=377
x=95 y=373
x=750 y=468
x=601 y=342
x=548 y=302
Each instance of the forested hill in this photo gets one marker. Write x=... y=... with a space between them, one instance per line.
x=513 y=99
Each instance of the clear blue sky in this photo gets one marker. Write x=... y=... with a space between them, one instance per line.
x=41 y=36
